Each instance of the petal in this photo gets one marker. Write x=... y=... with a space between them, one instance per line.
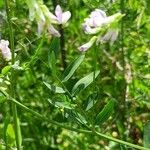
x=7 y=55
x=89 y=30
x=97 y=18
x=53 y=31
x=5 y=49
x=4 y=42
x=111 y=36
x=65 y=17
x=59 y=13
x=89 y=22
x=86 y=46
x=40 y=27
x=98 y=13
x=114 y=36
x=107 y=36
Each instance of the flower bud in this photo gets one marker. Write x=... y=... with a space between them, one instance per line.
x=5 y=51
x=86 y=46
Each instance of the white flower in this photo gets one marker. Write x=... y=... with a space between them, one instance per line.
x=111 y=35
x=62 y=17
x=53 y=31
x=104 y=26
x=46 y=23
x=98 y=19
x=86 y=46
x=6 y=53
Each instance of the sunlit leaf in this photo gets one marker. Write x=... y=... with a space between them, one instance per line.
x=84 y=82
x=60 y=104
x=54 y=46
x=105 y=113
x=80 y=118
x=72 y=68
x=91 y=101
x=54 y=88
x=6 y=69
x=10 y=133
x=147 y=135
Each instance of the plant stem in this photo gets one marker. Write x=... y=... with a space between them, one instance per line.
x=62 y=40
x=124 y=86
x=75 y=129
x=34 y=57
x=12 y=77
x=95 y=65
x=62 y=48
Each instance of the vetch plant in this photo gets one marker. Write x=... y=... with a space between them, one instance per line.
x=45 y=19
x=103 y=27
x=66 y=99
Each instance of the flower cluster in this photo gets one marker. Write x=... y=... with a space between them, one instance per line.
x=4 y=49
x=45 y=19
x=102 y=26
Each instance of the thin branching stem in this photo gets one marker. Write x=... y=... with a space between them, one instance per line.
x=12 y=77
x=62 y=40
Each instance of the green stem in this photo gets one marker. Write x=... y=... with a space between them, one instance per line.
x=95 y=64
x=75 y=129
x=34 y=57
x=123 y=109
x=62 y=39
x=12 y=78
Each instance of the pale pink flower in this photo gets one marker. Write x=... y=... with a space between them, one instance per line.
x=50 y=19
x=53 y=31
x=97 y=20
x=5 y=51
x=62 y=17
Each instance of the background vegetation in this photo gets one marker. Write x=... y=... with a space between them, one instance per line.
x=111 y=99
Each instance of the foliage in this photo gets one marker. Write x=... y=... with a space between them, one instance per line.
x=53 y=96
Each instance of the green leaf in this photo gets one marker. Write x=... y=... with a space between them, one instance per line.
x=19 y=132
x=80 y=118
x=53 y=53
x=84 y=82
x=5 y=70
x=72 y=68
x=91 y=101
x=54 y=88
x=54 y=46
x=60 y=104
x=2 y=98
x=52 y=62
x=105 y=113
x=6 y=123
x=147 y=135
x=10 y=133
